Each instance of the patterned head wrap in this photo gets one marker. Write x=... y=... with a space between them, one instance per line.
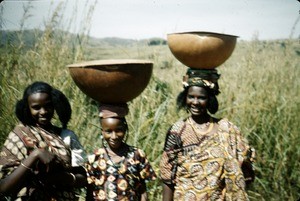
x=202 y=78
x=113 y=110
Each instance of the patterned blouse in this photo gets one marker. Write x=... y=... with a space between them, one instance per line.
x=206 y=166
x=118 y=181
x=18 y=145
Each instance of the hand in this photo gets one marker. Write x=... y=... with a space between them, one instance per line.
x=43 y=156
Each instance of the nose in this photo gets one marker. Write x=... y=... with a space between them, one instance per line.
x=196 y=101
x=43 y=111
x=114 y=135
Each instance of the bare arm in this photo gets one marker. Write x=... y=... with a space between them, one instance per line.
x=15 y=181
x=73 y=178
x=168 y=191
x=144 y=196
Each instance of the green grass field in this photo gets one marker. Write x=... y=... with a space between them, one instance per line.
x=259 y=86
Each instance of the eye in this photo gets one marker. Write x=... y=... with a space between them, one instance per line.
x=120 y=130
x=202 y=97
x=107 y=131
x=190 y=97
x=35 y=107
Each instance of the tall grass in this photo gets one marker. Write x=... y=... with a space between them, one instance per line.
x=259 y=92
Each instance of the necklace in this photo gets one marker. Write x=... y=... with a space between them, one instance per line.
x=197 y=130
x=119 y=166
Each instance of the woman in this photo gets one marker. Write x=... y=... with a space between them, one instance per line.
x=204 y=158
x=117 y=171
x=35 y=163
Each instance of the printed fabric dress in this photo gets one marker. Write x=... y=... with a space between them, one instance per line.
x=118 y=181
x=78 y=153
x=18 y=145
x=206 y=166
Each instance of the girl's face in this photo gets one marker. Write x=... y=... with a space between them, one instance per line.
x=113 y=131
x=41 y=108
x=197 y=100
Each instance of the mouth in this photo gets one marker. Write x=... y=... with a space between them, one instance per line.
x=195 y=109
x=44 y=120
x=114 y=143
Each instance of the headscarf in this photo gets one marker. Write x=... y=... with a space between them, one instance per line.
x=203 y=78
x=113 y=110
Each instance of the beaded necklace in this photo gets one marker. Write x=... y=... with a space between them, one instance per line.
x=197 y=130
x=119 y=166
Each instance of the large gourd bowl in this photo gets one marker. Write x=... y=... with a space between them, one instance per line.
x=112 y=81
x=201 y=50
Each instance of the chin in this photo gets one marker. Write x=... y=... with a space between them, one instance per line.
x=115 y=146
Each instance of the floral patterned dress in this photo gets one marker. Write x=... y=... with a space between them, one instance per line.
x=18 y=145
x=118 y=181
x=206 y=166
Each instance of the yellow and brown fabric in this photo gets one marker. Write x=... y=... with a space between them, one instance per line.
x=205 y=166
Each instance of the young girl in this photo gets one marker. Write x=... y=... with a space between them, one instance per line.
x=35 y=162
x=117 y=171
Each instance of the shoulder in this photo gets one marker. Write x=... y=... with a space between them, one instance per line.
x=140 y=152
x=177 y=126
x=66 y=133
x=136 y=152
x=95 y=155
x=99 y=151
x=68 y=137
x=20 y=127
x=21 y=131
x=227 y=126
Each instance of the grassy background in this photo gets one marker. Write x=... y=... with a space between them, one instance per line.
x=259 y=92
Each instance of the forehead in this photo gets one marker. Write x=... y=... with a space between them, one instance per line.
x=197 y=90
x=111 y=122
x=37 y=97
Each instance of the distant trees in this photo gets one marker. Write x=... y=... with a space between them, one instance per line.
x=156 y=41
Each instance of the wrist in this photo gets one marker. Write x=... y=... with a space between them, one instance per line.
x=26 y=167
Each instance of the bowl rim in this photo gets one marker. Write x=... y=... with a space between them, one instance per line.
x=109 y=62
x=203 y=32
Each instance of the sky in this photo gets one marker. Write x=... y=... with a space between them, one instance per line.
x=142 y=19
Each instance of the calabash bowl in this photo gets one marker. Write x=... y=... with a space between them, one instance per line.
x=112 y=81
x=201 y=50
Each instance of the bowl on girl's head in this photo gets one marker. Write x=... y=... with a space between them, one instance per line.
x=112 y=81
x=202 y=50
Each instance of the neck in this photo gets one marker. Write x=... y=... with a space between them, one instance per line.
x=47 y=127
x=201 y=119
x=120 y=151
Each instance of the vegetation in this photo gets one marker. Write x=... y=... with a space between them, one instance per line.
x=259 y=93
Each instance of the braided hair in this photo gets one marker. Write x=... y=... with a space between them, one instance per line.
x=59 y=100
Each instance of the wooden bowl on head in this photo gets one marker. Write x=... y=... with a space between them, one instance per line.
x=112 y=81
x=201 y=50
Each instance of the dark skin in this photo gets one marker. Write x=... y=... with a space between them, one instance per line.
x=196 y=101
x=42 y=111
x=113 y=131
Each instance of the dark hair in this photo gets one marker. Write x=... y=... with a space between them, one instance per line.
x=213 y=104
x=60 y=103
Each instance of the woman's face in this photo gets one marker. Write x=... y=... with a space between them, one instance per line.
x=113 y=131
x=197 y=100
x=41 y=108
